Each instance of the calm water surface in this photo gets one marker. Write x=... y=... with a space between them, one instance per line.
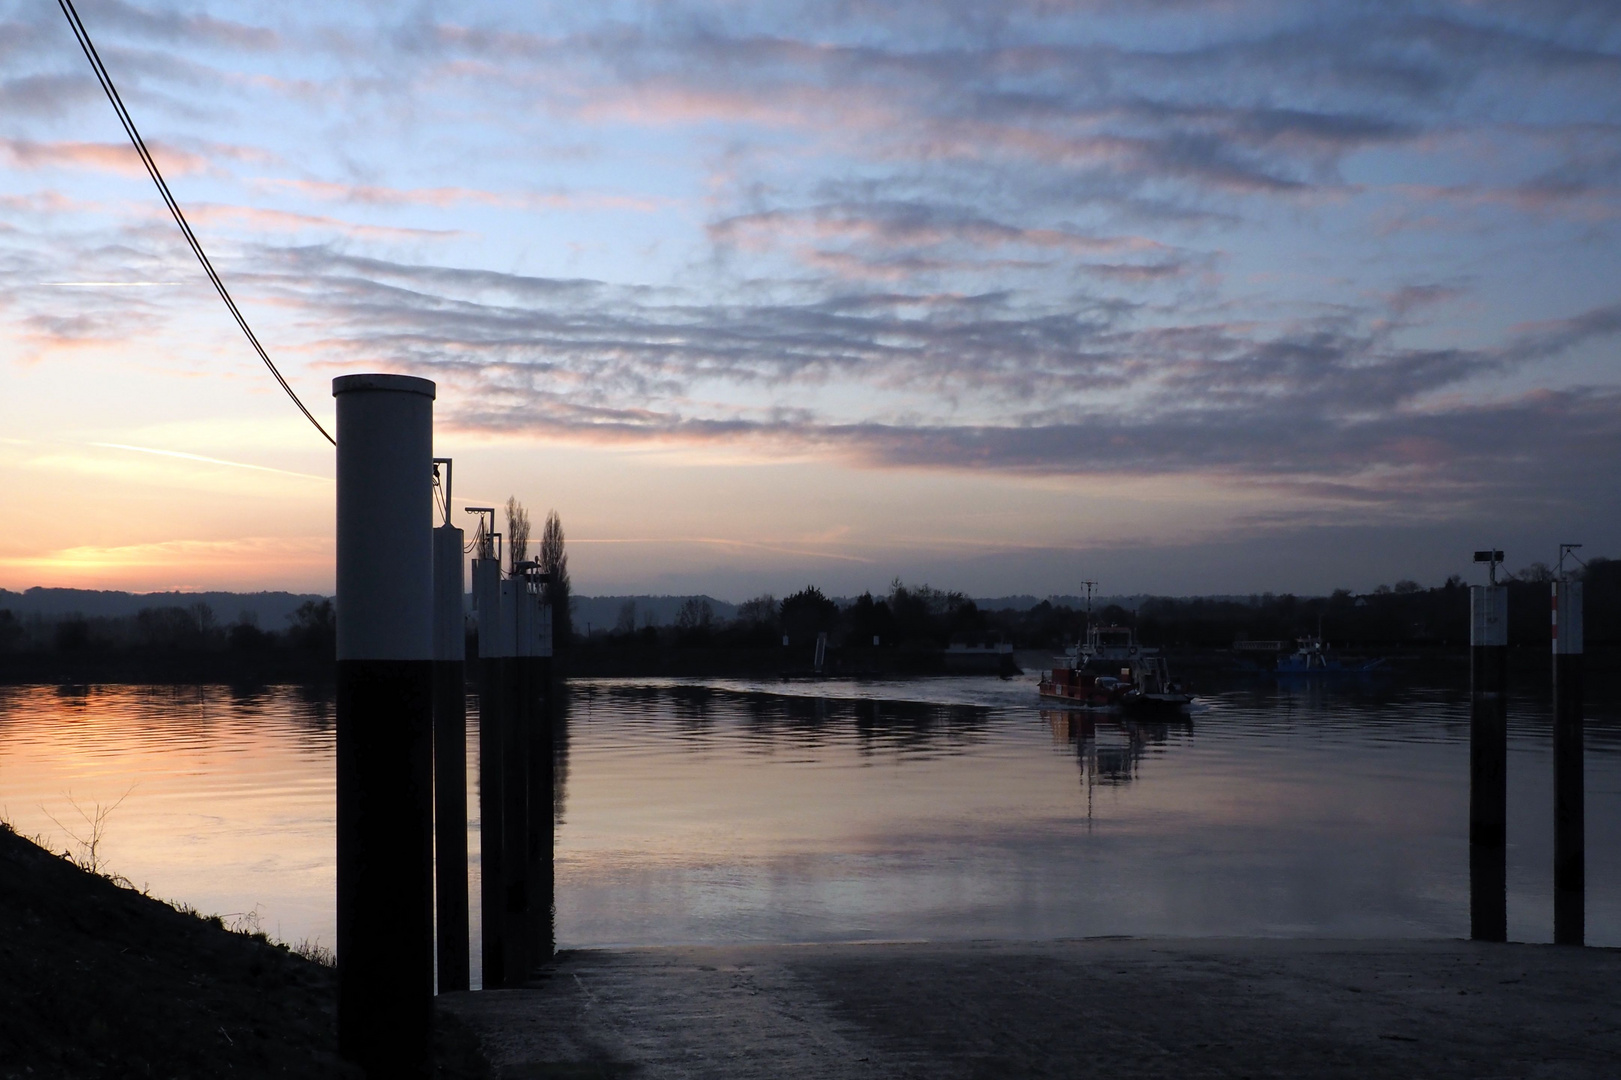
x=725 y=810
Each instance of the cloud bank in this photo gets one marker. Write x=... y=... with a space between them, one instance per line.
x=1357 y=255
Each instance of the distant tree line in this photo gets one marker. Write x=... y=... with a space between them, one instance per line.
x=311 y=632
x=917 y=617
x=907 y=617
x=1404 y=614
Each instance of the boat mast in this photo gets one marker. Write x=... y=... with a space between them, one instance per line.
x=1087 y=636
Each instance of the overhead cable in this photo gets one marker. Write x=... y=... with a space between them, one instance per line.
x=83 y=37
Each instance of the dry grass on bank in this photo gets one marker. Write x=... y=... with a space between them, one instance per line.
x=99 y=980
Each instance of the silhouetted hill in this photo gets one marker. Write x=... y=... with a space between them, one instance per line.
x=270 y=609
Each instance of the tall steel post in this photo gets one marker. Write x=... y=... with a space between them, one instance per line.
x=519 y=621
x=1569 y=840
x=491 y=680
x=541 y=838
x=450 y=758
x=1488 y=762
x=385 y=722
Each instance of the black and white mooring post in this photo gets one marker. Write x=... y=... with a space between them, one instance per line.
x=1488 y=754
x=541 y=879
x=518 y=717
x=449 y=745
x=491 y=689
x=1569 y=826
x=385 y=722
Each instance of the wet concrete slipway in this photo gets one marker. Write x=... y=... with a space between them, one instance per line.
x=1139 y=1008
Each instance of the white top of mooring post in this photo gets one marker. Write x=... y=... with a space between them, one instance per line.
x=449 y=623
x=385 y=517
x=407 y=384
x=1488 y=615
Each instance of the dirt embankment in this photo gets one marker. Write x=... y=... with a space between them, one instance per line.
x=98 y=980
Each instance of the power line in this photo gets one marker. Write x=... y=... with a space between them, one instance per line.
x=83 y=37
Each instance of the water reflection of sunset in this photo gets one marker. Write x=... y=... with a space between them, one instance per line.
x=227 y=797
x=772 y=811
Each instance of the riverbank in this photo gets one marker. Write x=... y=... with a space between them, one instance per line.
x=99 y=980
x=1173 y=1009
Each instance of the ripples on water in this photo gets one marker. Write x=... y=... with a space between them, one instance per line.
x=730 y=810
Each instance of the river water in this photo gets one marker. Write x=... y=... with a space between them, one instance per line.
x=732 y=811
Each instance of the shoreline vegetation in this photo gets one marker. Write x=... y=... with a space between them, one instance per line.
x=103 y=980
x=911 y=630
x=168 y=644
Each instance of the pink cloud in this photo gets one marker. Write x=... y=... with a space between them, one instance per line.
x=1591 y=204
x=117 y=158
x=760 y=231
x=441 y=197
x=660 y=102
x=286 y=221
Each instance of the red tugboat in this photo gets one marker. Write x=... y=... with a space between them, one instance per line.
x=1110 y=670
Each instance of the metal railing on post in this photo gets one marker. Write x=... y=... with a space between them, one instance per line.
x=385 y=722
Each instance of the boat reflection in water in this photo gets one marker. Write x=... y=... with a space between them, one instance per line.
x=1110 y=746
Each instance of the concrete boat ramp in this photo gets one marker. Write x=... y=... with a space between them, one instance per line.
x=1119 y=1008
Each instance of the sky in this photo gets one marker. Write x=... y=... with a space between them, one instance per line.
x=1180 y=297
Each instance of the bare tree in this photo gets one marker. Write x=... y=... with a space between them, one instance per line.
x=627 y=618
x=553 y=561
x=517 y=533
x=695 y=616
x=761 y=611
